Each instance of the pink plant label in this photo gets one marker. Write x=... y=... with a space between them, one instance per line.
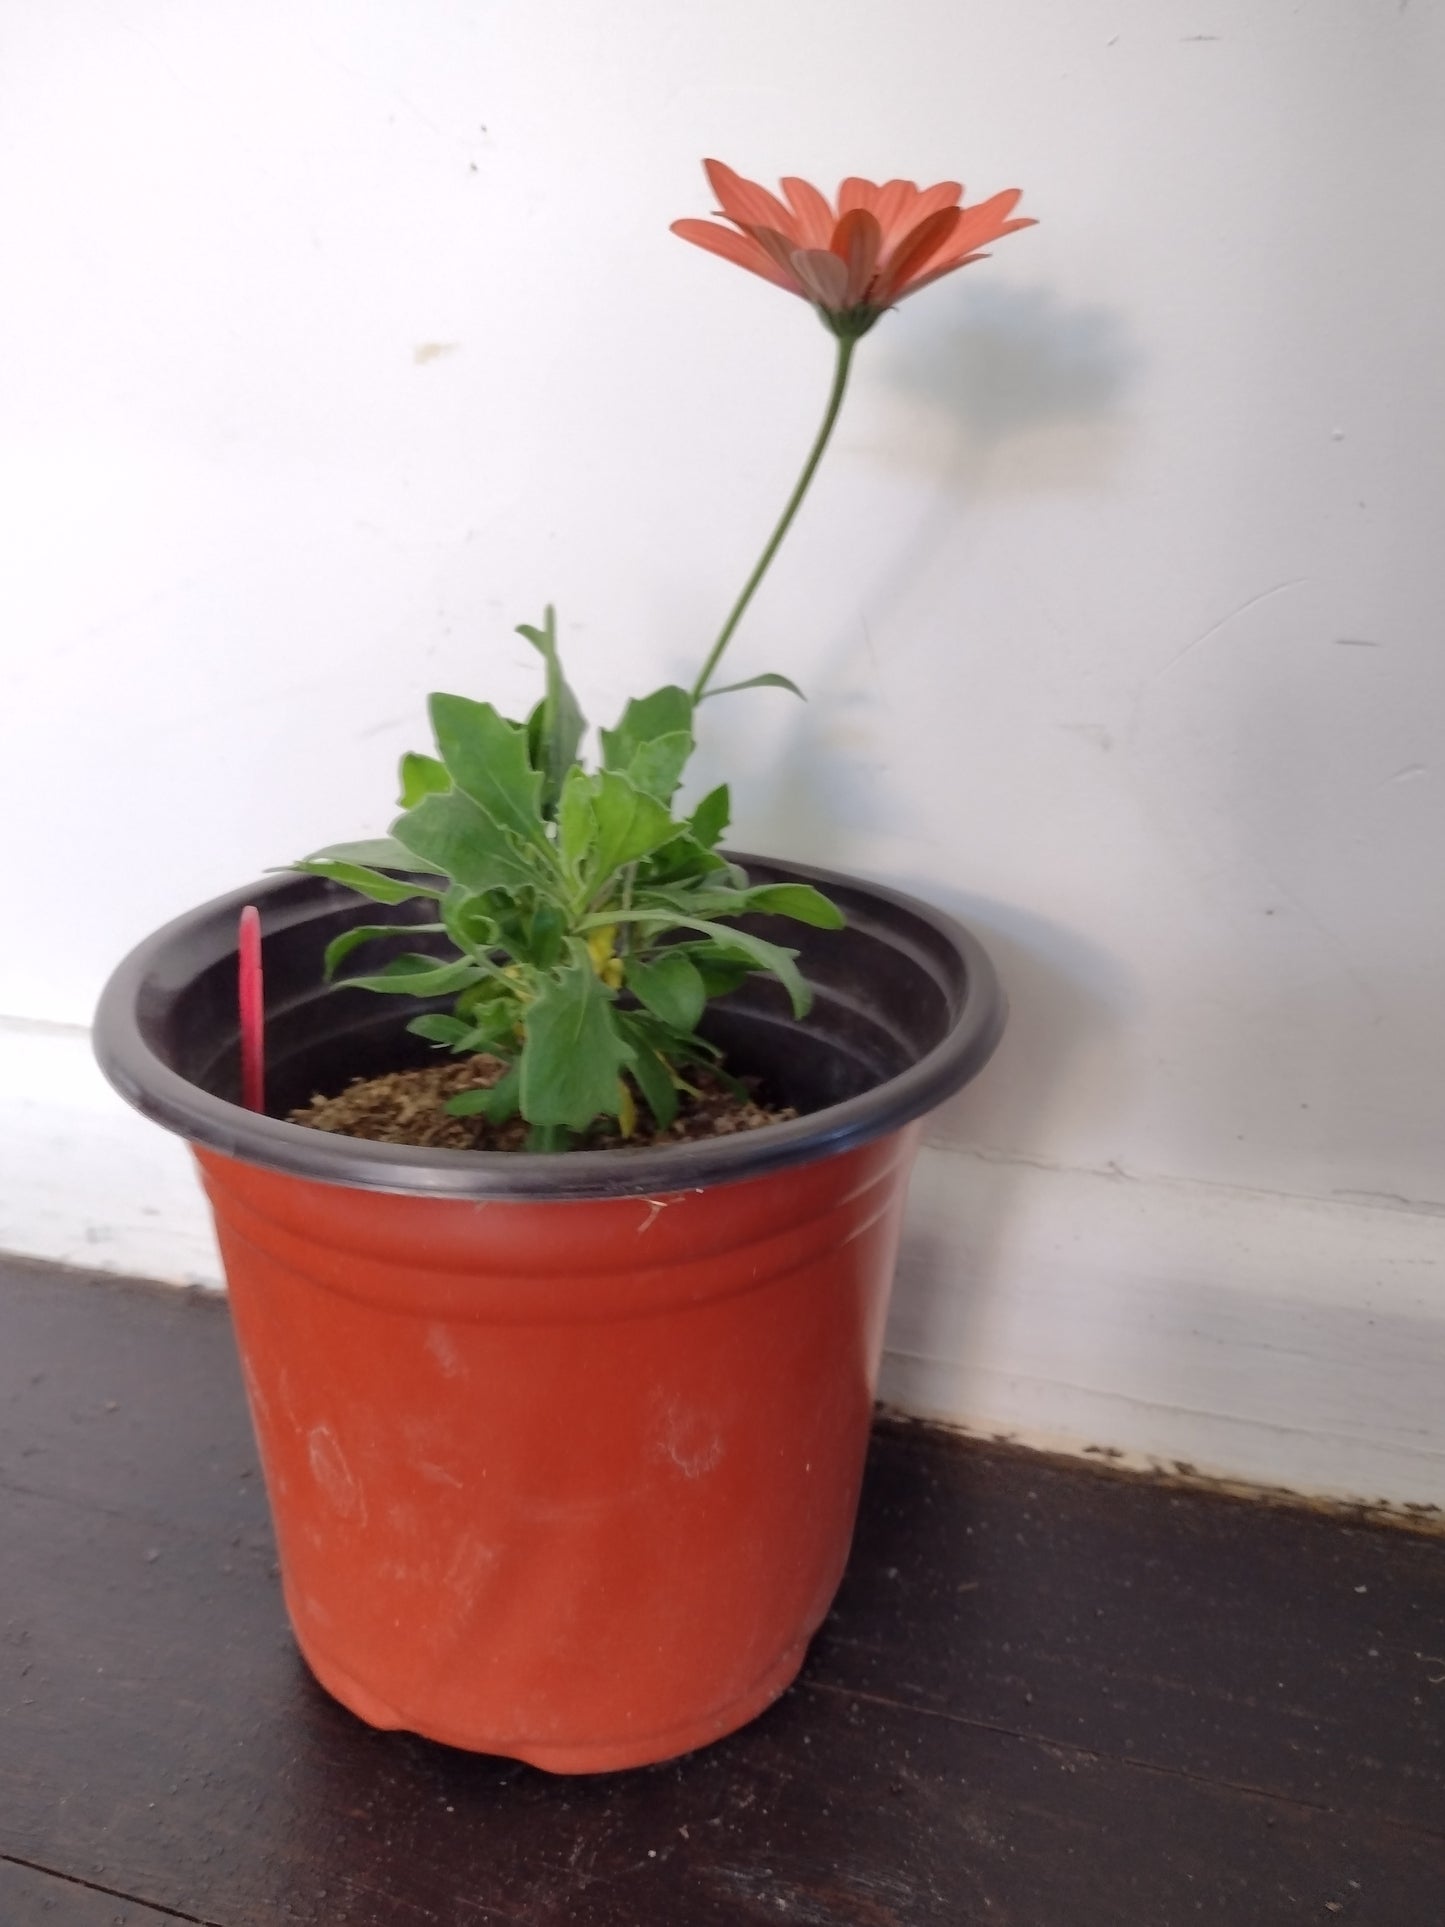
x=253 y=1011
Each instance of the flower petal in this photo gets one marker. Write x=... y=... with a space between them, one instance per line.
x=818 y=273
x=1009 y=227
x=741 y=248
x=985 y=219
x=824 y=277
x=937 y=274
x=885 y=241
x=858 y=242
x=894 y=209
x=914 y=254
x=780 y=251
x=812 y=214
x=971 y=234
x=931 y=200
x=747 y=204
x=855 y=192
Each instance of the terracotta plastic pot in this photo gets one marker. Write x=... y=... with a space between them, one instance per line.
x=564 y=1451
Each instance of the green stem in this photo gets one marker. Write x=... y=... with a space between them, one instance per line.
x=815 y=455
x=629 y=878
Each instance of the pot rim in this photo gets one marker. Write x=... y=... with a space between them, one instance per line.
x=149 y=1084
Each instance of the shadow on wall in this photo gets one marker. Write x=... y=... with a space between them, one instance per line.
x=1067 y=998
x=1011 y=391
x=1068 y=1002
x=1004 y=390
x=1015 y=361
x=1016 y=393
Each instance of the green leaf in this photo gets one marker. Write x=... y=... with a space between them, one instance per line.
x=711 y=817
x=469 y=921
x=770 y=679
x=657 y=767
x=556 y=725
x=437 y=1028
x=797 y=900
x=652 y=742
x=369 y=883
x=574 y=1054
x=349 y=940
x=666 y=712
x=630 y=824
x=419 y=976
x=464 y=842
x=489 y=1025
x=421 y=776
x=668 y=901
x=375 y=852
x=710 y=897
x=673 y=1046
x=498 y=1031
x=719 y=974
x=679 y=862
x=669 y=986
x=771 y=957
x=498 y=1103
x=487 y=991
x=576 y=820
x=487 y=758
x=651 y=1076
x=546 y=928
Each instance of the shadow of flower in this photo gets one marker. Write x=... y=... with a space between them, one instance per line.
x=1000 y=363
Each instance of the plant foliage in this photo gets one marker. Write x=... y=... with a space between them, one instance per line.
x=584 y=922
x=589 y=921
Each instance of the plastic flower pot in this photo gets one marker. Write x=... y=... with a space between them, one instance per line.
x=564 y=1451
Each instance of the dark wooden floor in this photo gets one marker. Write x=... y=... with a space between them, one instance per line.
x=1047 y=1698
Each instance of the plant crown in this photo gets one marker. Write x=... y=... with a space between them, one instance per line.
x=586 y=923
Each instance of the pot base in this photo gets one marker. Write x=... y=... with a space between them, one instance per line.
x=596 y=1756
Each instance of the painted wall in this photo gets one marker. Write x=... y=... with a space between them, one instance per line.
x=339 y=337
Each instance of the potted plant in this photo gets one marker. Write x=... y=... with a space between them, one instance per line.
x=564 y=1442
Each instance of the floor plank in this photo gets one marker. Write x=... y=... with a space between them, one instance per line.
x=1270 y=1647
x=1046 y=1698
x=30 y=1898
x=125 y=1397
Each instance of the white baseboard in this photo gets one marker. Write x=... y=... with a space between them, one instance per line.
x=85 y=1180
x=1250 y=1336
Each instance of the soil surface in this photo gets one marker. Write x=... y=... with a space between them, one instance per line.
x=408 y=1107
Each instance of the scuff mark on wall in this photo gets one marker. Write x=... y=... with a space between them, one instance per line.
x=1214 y=628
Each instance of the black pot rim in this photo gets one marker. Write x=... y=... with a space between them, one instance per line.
x=160 y=1093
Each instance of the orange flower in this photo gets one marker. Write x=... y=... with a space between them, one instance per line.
x=884 y=242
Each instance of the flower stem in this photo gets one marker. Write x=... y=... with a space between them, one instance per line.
x=846 y=346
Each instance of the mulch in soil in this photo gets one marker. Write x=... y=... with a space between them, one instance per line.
x=409 y=1107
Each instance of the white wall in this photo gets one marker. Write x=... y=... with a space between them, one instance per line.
x=339 y=337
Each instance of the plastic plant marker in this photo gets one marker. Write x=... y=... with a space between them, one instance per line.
x=252 y=999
